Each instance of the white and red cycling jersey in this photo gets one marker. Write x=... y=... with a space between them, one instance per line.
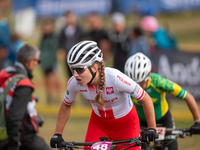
x=116 y=92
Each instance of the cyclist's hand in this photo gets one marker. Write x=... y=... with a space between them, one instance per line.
x=195 y=129
x=149 y=135
x=56 y=141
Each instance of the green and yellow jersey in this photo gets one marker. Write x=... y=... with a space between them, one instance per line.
x=157 y=88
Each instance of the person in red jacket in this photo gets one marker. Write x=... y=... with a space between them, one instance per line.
x=21 y=116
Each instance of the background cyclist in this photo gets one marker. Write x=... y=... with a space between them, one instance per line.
x=107 y=89
x=138 y=67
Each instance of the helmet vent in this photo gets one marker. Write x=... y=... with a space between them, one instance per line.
x=138 y=75
x=74 y=56
x=82 y=46
x=138 y=65
x=142 y=75
x=100 y=55
x=145 y=65
x=131 y=75
x=131 y=65
x=96 y=51
x=87 y=59
x=71 y=54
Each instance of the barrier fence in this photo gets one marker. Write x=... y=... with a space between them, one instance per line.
x=180 y=67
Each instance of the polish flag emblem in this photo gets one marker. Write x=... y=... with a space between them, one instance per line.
x=109 y=90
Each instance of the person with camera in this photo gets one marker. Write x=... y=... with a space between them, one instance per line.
x=21 y=118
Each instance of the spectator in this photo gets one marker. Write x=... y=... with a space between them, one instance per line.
x=97 y=33
x=11 y=41
x=3 y=54
x=48 y=47
x=5 y=43
x=138 y=43
x=72 y=33
x=163 y=38
x=16 y=43
x=21 y=116
x=119 y=38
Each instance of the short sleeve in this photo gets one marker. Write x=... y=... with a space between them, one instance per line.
x=71 y=91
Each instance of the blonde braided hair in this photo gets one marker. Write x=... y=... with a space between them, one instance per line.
x=99 y=97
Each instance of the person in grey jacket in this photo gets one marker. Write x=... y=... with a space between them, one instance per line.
x=22 y=121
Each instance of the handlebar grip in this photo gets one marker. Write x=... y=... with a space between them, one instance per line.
x=64 y=143
x=140 y=138
x=187 y=130
x=156 y=136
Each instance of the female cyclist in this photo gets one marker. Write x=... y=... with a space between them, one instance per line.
x=113 y=113
x=138 y=67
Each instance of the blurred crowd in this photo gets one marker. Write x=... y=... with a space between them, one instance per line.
x=117 y=43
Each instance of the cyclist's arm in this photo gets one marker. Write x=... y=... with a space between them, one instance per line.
x=65 y=108
x=126 y=84
x=179 y=92
x=148 y=110
x=193 y=106
x=63 y=116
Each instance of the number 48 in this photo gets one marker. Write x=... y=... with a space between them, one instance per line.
x=101 y=147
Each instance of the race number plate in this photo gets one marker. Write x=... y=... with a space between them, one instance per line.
x=103 y=145
x=161 y=132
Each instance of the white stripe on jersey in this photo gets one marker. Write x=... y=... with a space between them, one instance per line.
x=116 y=92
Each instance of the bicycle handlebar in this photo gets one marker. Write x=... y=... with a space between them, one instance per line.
x=181 y=132
x=136 y=141
x=142 y=129
x=166 y=136
x=64 y=143
x=170 y=131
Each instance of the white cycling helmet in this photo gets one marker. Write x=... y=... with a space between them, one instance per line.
x=84 y=54
x=138 y=67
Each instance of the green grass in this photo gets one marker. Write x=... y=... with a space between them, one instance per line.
x=75 y=129
x=76 y=126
